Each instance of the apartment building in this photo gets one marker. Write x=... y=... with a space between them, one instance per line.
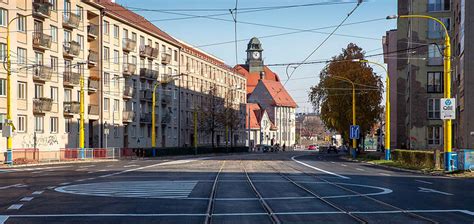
x=420 y=73
x=121 y=57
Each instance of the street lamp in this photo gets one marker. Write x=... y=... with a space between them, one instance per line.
x=447 y=85
x=387 y=106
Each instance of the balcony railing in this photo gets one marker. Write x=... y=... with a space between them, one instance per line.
x=166 y=118
x=166 y=98
x=146 y=95
x=146 y=51
x=71 y=78
x=71 y=20
x=93 y=58
x=93 y=109
x=71 y=49
x=41 y=40
x=145 y=117
x=42 y=73
x=93 y=84
x=128 y=91
x=129 y=68
x=148 y=73
x=154 y=53
x=72 y=107
x=41 y=8
x=128 y=116
x=128 y=44
x=41 y=105
x=92 y=31
x=165 y=58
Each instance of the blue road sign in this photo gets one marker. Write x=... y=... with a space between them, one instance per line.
x=354 y=132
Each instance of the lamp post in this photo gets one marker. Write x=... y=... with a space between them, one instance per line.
x=387 y=106
x=447 y=135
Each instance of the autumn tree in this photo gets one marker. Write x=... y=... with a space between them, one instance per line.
x=332 y=97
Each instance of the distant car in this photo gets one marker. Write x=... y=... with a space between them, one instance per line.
x=312 y=147
x=263 y=148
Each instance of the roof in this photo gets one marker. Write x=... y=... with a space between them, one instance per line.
x=280 y=96
x=135 y=19
x=252 y=78
x=254 y=122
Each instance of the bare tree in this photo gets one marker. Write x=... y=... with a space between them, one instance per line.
x=209 y=113
x=231 y=116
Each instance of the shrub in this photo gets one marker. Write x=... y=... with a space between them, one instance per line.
x=415 y=158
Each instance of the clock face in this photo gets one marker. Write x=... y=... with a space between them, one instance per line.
x=256 y=55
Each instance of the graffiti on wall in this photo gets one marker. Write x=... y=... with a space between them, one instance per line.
x=28 y=141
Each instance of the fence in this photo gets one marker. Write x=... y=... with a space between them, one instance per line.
x=32 y=155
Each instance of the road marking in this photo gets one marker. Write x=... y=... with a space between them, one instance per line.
x=318 y=169
x=37 y=192
x=110 y=165
x=27 y=199
x=65 y=183
x=51 y=187
x=33 y=169
x=12 y=186
x=333 y=162
x=422 y=181
x=133 y=165
x=428 y=190
x=3 y=219
x=359 y=169
x=15 y=207
x=343 y=165
x=81 y=169
x=80 y=180
x=385 y=174
x=87 y=166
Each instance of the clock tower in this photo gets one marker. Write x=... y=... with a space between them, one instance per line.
x=254 y=56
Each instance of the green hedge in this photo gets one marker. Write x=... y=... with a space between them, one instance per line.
x=416 y=158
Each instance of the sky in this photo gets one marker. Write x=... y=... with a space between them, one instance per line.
x=205 y=32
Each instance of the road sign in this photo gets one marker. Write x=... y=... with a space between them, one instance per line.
x=354 y=132
x=448 y=108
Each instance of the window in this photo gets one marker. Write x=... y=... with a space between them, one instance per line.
x=3 y=87
x=435 y=31
x=106 y=104
x=134 y=36
x=38 y=91
x=78 y=96
x=38 y=58
x=3 y=17
x=21 y=90
x=439 y=5
x=125 y=33
x=53 y=126
x=434 y=135
x=106 y=28
x=54 y=64
x=433 y=109
x=142 y=131
x=54 y=94
x=106 y=79
x=435 y=82
x=116 y=31
x=54 y=34
x=116 y=105
x=106 y=54
x=80 y=40
x=116 y=131
x=21 y=23
x=175 y=55
x=21 y=125
x=21 y=55
x=142 y=40
x=80 y=12
x=116 y=83
x=116 y=57
x=3 y=51
x=67 y=95
x=134 y=131
x=67 y=125
x=39 y=124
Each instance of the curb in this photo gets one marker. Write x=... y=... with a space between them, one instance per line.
x=58 y=163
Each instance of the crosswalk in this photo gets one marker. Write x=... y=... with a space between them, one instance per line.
x=133 y=189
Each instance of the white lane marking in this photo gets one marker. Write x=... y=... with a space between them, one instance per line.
x=429 y=190
x=51 y=187
x=385 y=174
x=3 y=219
x=37 y=192
x=133 y=165
x=12 y=186
x=333 y=162
x=87 y=166
x=33 y=169
x=27 y=199
x=65 y=183
x=15 y=207
x=102 y=171
x=343 y=165
x=359 y=169
x=84 y=169
x=422 y=181
x=80 y=180
x=318 y=169
x=110 y=165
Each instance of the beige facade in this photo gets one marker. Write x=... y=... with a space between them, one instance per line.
x=121 y=56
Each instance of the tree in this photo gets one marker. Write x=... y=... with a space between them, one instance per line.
x=231 y=117
x=209 y=112
x=333 y=97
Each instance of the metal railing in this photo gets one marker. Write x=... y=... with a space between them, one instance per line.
x=71 y=107
x=92 y=31
x=42 y=73
x=128 y=44
x=41 y=40
x=71 y=48
x=165 y=58
x=148 y=73
x=41 y=105
x=93 y=57
x=71 y=78
x=41 y=8
x=71 y=20
x=93 y=84
x=129 y=68
x=93 y=109
x=128 y=116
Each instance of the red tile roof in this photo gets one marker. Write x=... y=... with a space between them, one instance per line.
x=135 y=19
x=252 y=78
x=254 y=111
x=280 y=96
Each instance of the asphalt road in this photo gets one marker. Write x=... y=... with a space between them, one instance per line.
x=291 y=187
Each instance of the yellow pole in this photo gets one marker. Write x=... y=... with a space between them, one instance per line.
x=153 y=118
x=81 y=117
x=354 y=141
x=9 y=159
x=447 y=127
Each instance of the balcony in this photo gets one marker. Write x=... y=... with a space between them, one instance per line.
x=165 y=118
x=146 y=95
x=92 y=32
x=166 y=98
x=42 y=73
x=165 y=58
x=145 y=117
x=148 y=73
x=92 y=58
x=154 y=53
x=128 y=92
x=93 y=84
x=129 y=69
x=128 y=116
x=41 y=9
x=71 y=78
x=42 y=105
x=71 y=108
x=93 y=109
x=128 y=44
x=41 y=41
x=71 y=49
x=146 y=51
x=71 y=20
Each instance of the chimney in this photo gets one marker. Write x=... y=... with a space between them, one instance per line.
x=262 y=75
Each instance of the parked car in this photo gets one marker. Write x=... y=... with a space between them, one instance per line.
x=263 y=147
x=312 y=147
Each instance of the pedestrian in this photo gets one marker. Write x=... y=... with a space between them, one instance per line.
x=284 y=146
